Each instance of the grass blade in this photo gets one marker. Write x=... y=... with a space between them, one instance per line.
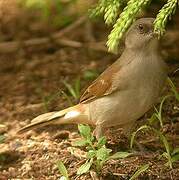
x=77 y=87
x=173 y=88
x=70 y=89
x=175 y=151
x=159 y=113
x=173 y=160
x=139 y=171
x=81 y=142
x=166 y=145
x=120 y=155
x=85 y=167
x=62 y=169
x=134 y=134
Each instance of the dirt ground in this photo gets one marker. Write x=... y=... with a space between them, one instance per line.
x=29 y=75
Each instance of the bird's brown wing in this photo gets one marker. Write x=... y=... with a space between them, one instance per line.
x=102 y=86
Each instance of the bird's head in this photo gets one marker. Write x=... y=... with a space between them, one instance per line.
x=141 y=34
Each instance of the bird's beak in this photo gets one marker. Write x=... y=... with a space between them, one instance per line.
x=154 y=34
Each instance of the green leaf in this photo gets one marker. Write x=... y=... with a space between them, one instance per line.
x=139 y=171
x=103 y=153
x=175 y=151
x=159 y=113
x=62 y=169
x=153 y=118
x=63 y=178
x=85 y=167
x=134 y=134
x=91 y=154
x=165 y=155
x=81 y=142
x=85 y=131
x=101 y=142
x=120 y=155
x=175 y=158
x=165 y=142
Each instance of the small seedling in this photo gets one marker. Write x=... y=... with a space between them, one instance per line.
x=63 y=170
x=139 y=171
x=157 y=115
x=97 y=153
x=171 y=155
x=135 y=133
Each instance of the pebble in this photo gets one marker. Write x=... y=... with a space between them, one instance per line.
x=12 y=171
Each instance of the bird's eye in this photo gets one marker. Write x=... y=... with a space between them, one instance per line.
x=143 y=28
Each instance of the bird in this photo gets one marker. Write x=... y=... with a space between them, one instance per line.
x=124 y=92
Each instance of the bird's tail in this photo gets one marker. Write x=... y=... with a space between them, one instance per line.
x=73 y=115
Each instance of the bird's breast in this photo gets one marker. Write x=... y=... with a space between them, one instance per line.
x=142 y=82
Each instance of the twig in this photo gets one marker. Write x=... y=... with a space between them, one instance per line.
x=45 y=43
x=70 y=43
x=71 y=27
x=11 y=47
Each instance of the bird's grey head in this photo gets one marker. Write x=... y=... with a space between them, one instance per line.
x=140 y=35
